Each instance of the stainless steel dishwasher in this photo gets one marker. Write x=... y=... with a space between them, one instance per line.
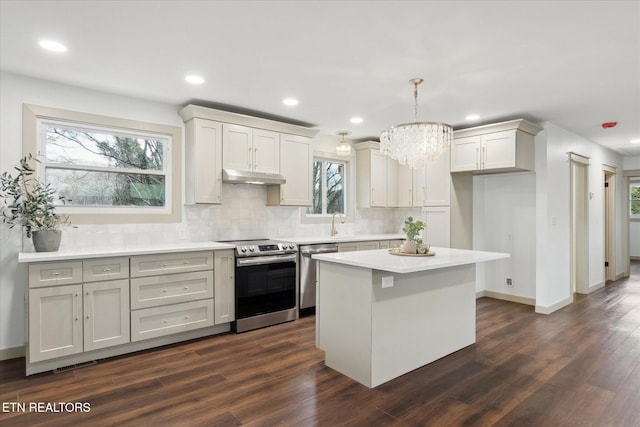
x=308 y=273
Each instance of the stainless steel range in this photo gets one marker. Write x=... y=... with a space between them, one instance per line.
x=265 y=288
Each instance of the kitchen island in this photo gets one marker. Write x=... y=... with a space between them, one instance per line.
x=379 y=315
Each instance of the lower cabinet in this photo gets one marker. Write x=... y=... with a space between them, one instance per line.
x=438 y=229
x=70 y=319
x=358 y=246
x=74 y=307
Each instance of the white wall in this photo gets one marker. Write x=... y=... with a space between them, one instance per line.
x=631 y=163
x=243 y=214
x=553 y=213
x=504 y=217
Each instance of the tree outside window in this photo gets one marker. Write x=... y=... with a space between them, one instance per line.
x=328 y=188
x=634 y=199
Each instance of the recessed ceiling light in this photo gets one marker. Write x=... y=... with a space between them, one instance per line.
x=52 y=46
x=290 y=101
x=635 y=141
x=473 y=117
x=356 y=120
x=195 y=80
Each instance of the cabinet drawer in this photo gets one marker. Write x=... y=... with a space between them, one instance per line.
x=171 y=319
x=183 y=262
x=162 y=290
x=96 y=270
x=55 y=273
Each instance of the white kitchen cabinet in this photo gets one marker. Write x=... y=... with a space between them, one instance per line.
x=432 y=182
x=55 y=322
x=380 y=180
x=248 y=149
x=405 y=186
x=296 y=165
x=224 y=301
x=70 y=319
x=166 y=289
x=170 y=319
x=501 y=147
x=203 y=161
x=105 y=313
x=180 y=262
x=437 y=231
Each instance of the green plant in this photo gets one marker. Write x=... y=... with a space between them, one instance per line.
x=28 y=202
x=413 y=228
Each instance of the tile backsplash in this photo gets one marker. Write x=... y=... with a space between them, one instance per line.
x=243 y=214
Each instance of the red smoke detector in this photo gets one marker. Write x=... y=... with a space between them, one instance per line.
x=607 y=125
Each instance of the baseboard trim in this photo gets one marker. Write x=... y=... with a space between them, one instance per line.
x=620 y=276
x=635 y=258
x=506 y=297
x=12 y=352
x=592 y=288
x=554 y=307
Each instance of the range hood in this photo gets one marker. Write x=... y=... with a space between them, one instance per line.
x=235 y=176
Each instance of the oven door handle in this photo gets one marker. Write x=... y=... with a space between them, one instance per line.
x=260 y=260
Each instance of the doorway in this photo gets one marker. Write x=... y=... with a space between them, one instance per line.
x=579 y=224
x=609 y=206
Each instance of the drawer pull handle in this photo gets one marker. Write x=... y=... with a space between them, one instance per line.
x=164 y=321
x=186 y=287
x=164 y=264
x=106 y=270
x=186 y=262
x=56 y=273
x=164 y=290
x=186 y=317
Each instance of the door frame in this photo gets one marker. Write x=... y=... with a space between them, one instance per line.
x=579 y=240
x=609 y=223
x=626 y=255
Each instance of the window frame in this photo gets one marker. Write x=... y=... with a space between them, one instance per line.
x=33 y=142
x=633 y=183
x=345 y=187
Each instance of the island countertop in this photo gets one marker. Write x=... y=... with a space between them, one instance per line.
x=382 y=260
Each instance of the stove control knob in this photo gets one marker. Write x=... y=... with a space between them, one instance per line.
x=243 y=249
x=252 y=248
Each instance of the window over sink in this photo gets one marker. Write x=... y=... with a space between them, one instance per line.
x=329 y=187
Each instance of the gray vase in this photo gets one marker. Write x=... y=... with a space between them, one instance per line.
x=46 y=240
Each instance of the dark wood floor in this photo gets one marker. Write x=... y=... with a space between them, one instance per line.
x=579 y=366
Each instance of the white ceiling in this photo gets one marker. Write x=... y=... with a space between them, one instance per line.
x=574 y=63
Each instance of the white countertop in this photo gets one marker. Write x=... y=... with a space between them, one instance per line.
x=114 y=252
x=339 y=238
x=381 y=259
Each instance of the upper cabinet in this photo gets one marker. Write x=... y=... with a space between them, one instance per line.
x=203 y=161
x=380 y=180
x=218 y=139
x=249 y=149
x=432 y=183
x=296 y=165
x=495 y=148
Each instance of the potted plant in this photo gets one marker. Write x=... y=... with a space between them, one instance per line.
x=31 y=204
x=412 y=230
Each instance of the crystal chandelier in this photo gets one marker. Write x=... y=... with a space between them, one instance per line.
x=343 y=148
x=415 y=143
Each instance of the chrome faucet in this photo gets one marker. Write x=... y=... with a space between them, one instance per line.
x=334 y=230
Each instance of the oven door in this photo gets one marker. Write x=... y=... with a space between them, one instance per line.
x=265 y=284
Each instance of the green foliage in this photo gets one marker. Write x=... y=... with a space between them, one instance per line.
x=413 y=228
x=634 y=202
x=28 y=202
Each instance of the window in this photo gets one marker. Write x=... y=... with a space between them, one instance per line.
x=634 y=199
x=112 y=170
x=329 y=193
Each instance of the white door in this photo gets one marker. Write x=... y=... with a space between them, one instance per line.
x=465 y=154
x=437 y=230
x=266 y=151
x=579 y=230
x=237 y=147
x=106 y=314
x=224 y=295
x=378 y=179
x=55 y=322
x=498 y=150
x=438 y=181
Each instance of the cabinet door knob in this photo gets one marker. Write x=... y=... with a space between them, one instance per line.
x=186 y=287
x=164 y=264
x=87 y=317
x=77 y=319
x=164 y=290
x=186 y=317
x=164 y=321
